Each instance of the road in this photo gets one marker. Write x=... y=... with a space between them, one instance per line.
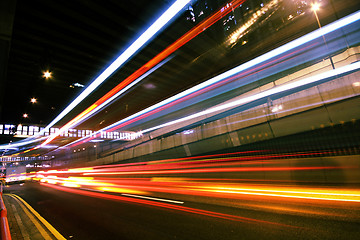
x=77 y=216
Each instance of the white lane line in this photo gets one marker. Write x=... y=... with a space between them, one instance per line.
x=151 y=198
x=90 y=189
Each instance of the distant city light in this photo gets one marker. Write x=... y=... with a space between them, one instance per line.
x=33 y=100
x=47 y=74
x=315 y=7
x=149 y=86
x=244 y=29
x=77 y=85
x=188 y=131
x=169 y=14
x=356 y=84
x=277 y=108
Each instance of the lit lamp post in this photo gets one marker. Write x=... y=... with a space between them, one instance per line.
x=47 y=74
x=315 y=7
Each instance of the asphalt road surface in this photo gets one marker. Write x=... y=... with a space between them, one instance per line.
x=77 y=216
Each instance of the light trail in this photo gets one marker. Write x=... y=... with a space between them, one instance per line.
x=305 y=193
x=252 y=63
x=157 y=178
x=216 y=170
x=151 y=198
x=169 y=14
x=167 y=206
x=100 y=103
x=173 y=10
x=275 y=90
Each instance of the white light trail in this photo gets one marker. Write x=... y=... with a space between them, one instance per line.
x=170 y=13
x=98 y=108
x=261 y=59
x=267 y=56
x=282 y=88
x=23 y=143
x=129 y=52
x=152 y=198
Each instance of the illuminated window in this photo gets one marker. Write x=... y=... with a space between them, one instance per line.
x=8 y=129
x=109 y=135
x=19 y=130
x=116 y=135
x=25 y=130
x=45 y=133
x=36 y=129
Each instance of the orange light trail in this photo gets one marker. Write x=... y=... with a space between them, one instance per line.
x=69 y=124
x=158 y=58
x=157 y=178
x=166 y=205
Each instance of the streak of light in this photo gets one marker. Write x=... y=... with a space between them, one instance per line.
x=184 y=165
x=152 y=198
x=170 y=13
x=22 y=143
x=80 y=169
x=68 y=125
x=120 y=190
x=167 y=206
x=275 y=90
x=317 y=194
x=193 y=163
x=129 y=81
x=113 y=97
x=72 y=185
x=267 y=56
x=119 y=179
x=90 y=189
x=215 y=170
x=206 y=156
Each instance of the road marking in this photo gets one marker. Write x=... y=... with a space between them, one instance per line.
x=20 y=223
x=43 y=232
x=36 y=223
x=89 y=189
x=151 y=198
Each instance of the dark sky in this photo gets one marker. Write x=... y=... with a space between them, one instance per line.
x=75 y=40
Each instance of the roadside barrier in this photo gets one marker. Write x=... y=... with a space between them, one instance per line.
x=4 y=224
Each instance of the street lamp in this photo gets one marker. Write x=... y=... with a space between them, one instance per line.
x=33 y=100
x=315 y=7
x=47 y=74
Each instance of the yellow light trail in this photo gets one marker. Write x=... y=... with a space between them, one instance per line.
x=306 y=193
